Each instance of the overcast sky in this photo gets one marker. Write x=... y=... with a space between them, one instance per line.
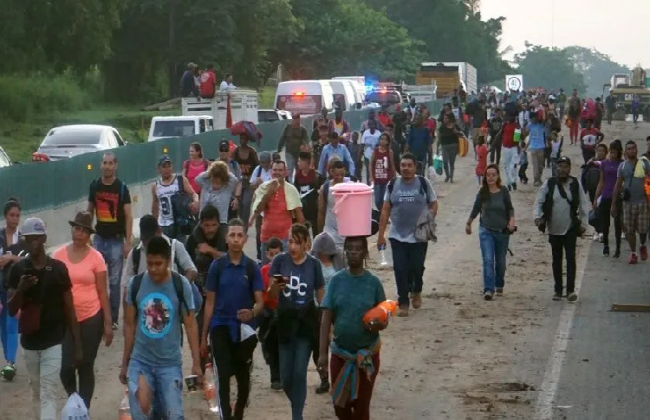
x=588 y=23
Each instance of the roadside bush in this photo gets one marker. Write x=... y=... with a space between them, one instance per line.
x=24 y=97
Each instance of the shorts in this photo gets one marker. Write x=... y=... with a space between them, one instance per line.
x=636 y=217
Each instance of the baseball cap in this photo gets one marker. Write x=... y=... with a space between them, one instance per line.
x=563 y=159
x=224 y=146
x=148 y=227
x=33 y=226
x=265 y=156
x=164 y=159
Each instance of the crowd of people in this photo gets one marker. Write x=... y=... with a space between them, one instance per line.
x=303 y=295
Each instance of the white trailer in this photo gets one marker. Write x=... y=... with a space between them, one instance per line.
x=243 y=107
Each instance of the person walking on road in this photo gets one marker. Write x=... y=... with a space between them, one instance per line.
x=630 y=188
x=110 y=201
x=40 y=288
x=354 y=364
x=407 y=197
x=293 y=137
x=87 y=271
x=448 y=136
x=604 y=195
x=12 y=249
x=510 y=153
x=562 y=207
x=220 y=188
x=535 y=132
x=497 y=223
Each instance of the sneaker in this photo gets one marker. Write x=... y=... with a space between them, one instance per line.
x=276 y=386
x=557 y=296
x=416 y=300
x=644 y=252
x=601 y=238
x=488 y=295
x=403 y=311
x=115 y=326
x=634 y=259
x=606 y=250
x=499 y=291
x=9 y=372
x=324 y=387
x=595 y=237
x=572 y=297
x=617 y=253
x=509 y=187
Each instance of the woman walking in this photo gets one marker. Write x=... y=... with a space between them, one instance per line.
x=382 y=168
x=221 y=188
x=354 y=364
x=11 y=250
x=448 y=139
x=604 y=194
x=297 y=278
x=88 y=275
x=195 y=165
x=494 y=204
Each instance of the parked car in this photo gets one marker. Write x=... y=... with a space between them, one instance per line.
x=73 y=140
x=272 y=115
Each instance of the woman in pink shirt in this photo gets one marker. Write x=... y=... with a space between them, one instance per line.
x=88 y=274
x=195 y=165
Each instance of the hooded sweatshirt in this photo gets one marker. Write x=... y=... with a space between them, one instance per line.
x=324 y=244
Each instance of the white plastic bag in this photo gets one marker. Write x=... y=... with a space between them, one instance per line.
x=75 y=409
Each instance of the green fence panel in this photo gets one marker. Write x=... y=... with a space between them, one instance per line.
x=40 y=186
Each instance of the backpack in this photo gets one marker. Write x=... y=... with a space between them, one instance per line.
x=590 y=177
x=547 y=206
x=136 y=254
x=177 y=280
x=251 y=266
x=184 y=220
x=423 y=187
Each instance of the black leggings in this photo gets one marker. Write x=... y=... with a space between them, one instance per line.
x=605 y=214
x=230 y=359
x=91 y=331
x=315 y=346
x=495 y=150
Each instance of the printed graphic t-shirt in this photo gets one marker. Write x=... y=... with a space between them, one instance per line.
x=304 y=280
x=109 y=201
x=157 y=326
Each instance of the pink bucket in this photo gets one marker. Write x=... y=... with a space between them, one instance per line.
x=353 y=208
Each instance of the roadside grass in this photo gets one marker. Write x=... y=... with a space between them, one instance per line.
x=267 y=97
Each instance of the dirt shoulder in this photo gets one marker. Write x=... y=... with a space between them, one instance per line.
x=458 y=357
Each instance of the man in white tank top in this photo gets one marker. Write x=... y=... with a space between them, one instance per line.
x=163 y=190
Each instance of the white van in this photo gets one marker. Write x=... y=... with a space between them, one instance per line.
x=345 y=94
x=359 y=83
x=181 y=126
x=304 y=97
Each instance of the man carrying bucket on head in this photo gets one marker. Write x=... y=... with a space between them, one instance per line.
x=407 y=197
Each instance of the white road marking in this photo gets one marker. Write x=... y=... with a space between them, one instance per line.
x=548 y=389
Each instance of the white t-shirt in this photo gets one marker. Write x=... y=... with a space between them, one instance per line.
x=225 y=86
x=370 y=142
x=555 y=149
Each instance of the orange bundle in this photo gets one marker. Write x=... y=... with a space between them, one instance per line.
x=463 y=146
x=569 y=122
x=381 y=313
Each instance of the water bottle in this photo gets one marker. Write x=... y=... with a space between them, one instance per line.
x=210 y=389
x=382 y=253
x=124 y=412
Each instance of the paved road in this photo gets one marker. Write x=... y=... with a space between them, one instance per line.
x=606 y=370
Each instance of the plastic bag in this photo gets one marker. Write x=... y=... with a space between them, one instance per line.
x=438 y=164
x=75 y=409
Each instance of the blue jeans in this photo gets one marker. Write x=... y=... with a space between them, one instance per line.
x=380 y=191
x=263 y=250
x=294 y=360
x=112 y=249
x=8 y=330
x=494 y=246
x=408 y=265
x=166 y=384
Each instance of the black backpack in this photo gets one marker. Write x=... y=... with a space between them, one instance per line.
x=574 y=187
x=590 y=178
x=184 y=220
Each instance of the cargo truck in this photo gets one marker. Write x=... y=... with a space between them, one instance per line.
x=447 y=76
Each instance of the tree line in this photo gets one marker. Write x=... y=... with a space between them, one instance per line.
x=140 y=47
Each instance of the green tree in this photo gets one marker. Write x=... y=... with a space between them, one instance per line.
x=548 y=67
x=596 y=67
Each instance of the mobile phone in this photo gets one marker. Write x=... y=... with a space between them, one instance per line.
x=279 y=278
x=29 y=272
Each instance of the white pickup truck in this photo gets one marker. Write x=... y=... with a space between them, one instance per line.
x=243 y=107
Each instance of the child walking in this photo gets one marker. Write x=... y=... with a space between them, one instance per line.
x=523 y=162
x=381 y=169
x=556 y=150
x=481 y=151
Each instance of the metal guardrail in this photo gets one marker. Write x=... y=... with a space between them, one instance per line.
x=52 y=185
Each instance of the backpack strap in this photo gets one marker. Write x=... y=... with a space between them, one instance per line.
x=326 y=191
x=424 y=189
x=135 y=258
x=186 y=165
x=181 y=184
x=178 y=286
x=135 y=288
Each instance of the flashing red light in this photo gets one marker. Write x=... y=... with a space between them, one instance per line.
x=299 y=94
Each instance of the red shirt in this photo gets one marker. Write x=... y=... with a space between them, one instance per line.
x=508 y=134
x=268 y=302
x=384 y=170
x=385 y=119
x=481 y=165
x=432 y=124
x=208 y=83
x=277 y=219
